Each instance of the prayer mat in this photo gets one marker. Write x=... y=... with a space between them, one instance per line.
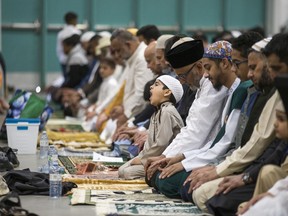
x=136 y=202
x=63 y=125
x=70 y=164
x=76 y=140
x=105 y=181
x=65 y=128
x=74 y=136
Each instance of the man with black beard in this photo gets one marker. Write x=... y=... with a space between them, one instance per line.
x=239 y=188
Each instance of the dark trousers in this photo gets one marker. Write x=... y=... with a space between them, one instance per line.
x=227 y=204
x=171 y=186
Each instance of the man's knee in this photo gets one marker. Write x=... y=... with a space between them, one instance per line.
x=187 y=197
x=271 y=171
x=121 y=172
x=133 y=172
x=152 y=180
x=199 y=198
x=205 y=192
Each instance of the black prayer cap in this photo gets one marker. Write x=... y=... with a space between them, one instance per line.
x=185 y=51
x=281 y=83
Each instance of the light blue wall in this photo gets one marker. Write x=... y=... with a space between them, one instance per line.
x=33 y=50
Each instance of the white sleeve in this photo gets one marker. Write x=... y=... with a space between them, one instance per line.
x=59 y=50
x=110 y=91
x=203 y=115
x=281 y=185
x=195 y=159
x=135 y=101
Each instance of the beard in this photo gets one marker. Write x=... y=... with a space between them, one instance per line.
x=265 y=80
x=217 y=85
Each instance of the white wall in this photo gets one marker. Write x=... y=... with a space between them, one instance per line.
x=277 y=15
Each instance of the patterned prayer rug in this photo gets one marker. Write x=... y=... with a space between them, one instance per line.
x=136 y=202
x=70 y=163
x=105 y=181
x=74 y=137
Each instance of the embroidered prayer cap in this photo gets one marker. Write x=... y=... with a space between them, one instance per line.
x=174 y=85
x=219 y=50
x=85 y=37
x=162 y=40
x=184 y=51
x=281 y=83
x=258 y=46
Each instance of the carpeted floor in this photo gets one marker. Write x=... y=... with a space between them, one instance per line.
x=132 y=202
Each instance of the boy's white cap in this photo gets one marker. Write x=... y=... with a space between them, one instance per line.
x=86 y=37
x=258 y=46
x=174 y=85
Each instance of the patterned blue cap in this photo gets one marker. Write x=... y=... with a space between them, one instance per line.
x=219 y=49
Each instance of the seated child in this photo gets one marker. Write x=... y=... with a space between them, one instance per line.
x=165 y=124
x=109 y=86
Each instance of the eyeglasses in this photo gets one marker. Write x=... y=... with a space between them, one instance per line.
x=184 y=75
x=237 y=63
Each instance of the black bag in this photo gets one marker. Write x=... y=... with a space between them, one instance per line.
x=10 y=205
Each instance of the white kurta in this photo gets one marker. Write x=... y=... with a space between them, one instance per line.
x=59 y=48
x=203 y=120
x=137 y=75
x=271 y=206
x=201 y=157
x=108 y=88
x=108 y=100
x=281 y=185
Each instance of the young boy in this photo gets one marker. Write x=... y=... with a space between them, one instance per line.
x=107 y=88
x=165 y=124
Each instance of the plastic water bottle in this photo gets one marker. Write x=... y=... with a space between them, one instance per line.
x=52 y=157
x=44 y=145
x=55 y=182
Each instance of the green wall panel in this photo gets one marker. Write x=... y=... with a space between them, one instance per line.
x=160 y=12
x=113 y=12
x=20 y=11
x=21 y=51
x=56 y=10
x=52 y=60
x=245 y=13
x=34 y=51
x=20 y=47
x=202 y=13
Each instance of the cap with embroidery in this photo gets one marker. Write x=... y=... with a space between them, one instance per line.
x=219 y=50
x=258 y=46
x=174 y=85
x=184 y=51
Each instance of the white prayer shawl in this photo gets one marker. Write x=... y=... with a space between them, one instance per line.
x=137 y=75
x=201 y=157
x=203 y=120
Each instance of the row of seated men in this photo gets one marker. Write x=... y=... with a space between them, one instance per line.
x=205 y=125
